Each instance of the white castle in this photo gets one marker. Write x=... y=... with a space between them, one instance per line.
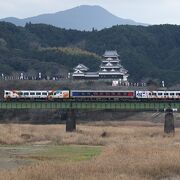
x=110 y=68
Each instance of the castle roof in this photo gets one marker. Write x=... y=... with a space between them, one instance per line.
x=111 y=54
x=81 y=67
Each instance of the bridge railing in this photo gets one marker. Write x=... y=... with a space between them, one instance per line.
x=140 y=106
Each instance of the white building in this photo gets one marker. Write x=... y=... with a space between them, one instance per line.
x=110 y=68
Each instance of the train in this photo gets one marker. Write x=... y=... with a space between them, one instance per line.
x=90 y=95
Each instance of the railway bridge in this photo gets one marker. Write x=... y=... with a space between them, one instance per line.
x=72 y=106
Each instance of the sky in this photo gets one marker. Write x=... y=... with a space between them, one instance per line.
x=145 y=11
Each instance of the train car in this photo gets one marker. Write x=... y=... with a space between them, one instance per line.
x=24 y=94
x=59 y=94
x=158 y=95
x=36 y=94
x=101 y=94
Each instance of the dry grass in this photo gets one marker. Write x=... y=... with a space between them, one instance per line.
x=132 y=151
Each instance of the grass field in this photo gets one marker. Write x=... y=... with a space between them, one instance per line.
x=99 y=150
x=16 y=156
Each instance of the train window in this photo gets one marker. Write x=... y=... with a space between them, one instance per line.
x=73 y=94
x=107 y=93
x=26 y=93
x=83 y=94
x=123 y=94
x=160 y=94
x=171 y=94
x=166 y=94
x=53 y=94
x=7 y=93
x=177 y=94
x=44 y=93
x=32 y=93
x=20 y=93
x=154 y=94
x=101 y=93
x=113 y=94
x=38 y=93
x=150 y=94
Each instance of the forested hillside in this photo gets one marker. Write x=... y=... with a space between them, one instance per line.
x=147 y=52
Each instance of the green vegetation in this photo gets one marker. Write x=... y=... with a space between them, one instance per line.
x=69 y=152
x=151 y=52
x=64 y=153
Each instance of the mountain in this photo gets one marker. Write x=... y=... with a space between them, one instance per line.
x=80 y=18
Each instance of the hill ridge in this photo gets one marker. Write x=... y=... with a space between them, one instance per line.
x=82 y=17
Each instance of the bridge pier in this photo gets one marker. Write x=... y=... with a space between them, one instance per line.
x=169 y=121
x=71 y=121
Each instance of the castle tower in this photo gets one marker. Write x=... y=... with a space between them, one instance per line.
x=111 y=68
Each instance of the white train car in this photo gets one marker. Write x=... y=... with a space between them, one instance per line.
x=59 y=94
x=158 y=95
x=35 y=94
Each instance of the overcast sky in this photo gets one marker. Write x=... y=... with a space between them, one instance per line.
x=146 y=11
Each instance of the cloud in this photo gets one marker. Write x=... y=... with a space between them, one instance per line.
x=153 y=11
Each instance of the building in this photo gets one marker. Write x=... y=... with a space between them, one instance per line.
x=110 y=68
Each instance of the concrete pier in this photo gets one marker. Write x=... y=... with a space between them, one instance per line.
x=71 y=121
x=169 y=121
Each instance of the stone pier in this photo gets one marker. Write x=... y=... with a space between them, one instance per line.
x=71 y=121
x=169 y=121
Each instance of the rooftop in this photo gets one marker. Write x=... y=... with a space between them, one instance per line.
x=81 y=67
x=111 y=54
